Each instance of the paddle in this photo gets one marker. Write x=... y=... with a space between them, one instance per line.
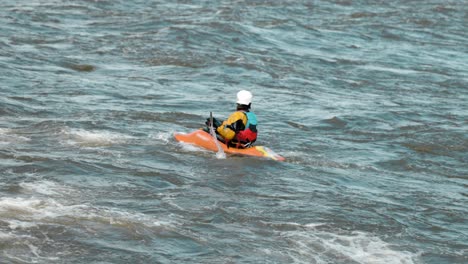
x=220 y=154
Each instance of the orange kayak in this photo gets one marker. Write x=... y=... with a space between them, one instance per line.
x=204 y=140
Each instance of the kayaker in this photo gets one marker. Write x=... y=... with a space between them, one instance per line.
x=240 y=129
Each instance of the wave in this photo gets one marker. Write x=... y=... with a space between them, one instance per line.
x=8 y=136
x=33 y=225
x=317 y=244
x=49 y=201
x=92 y=138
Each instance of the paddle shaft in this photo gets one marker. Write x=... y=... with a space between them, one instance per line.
x=220 y=153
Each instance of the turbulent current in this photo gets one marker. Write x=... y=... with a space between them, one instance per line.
x=366 y=100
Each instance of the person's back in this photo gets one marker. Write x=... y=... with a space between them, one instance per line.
x=240 y=129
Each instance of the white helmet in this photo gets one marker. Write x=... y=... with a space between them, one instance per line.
x=244 y=97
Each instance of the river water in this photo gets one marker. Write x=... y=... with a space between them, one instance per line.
x=366 y=100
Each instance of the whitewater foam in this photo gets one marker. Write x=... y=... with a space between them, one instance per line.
x=45 y=187
x=161 y=136
x=191 y=148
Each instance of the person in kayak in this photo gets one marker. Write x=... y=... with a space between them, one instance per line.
x=240 y=129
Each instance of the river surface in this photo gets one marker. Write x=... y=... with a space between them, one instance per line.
x=366 y=100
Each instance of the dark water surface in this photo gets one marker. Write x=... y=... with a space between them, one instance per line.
x=367 y=100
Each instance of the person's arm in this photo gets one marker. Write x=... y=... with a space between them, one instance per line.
x=235 y=123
